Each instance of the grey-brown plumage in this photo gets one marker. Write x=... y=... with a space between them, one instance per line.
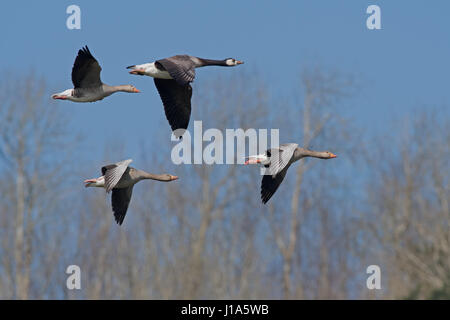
x=88 y=86
x=277 y=161
x=120 y=178
x=172 y=77
x=181 y=68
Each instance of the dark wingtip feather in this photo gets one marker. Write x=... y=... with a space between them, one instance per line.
x=265 y=197
x=84 y=51
x=119 y=220
x=129 y=67
x=270 y=184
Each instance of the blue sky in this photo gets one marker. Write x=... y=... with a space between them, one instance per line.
x=403 y=67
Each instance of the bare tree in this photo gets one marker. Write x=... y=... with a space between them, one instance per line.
x=409 y=210
x=321 y=125
x=207 y=235
x=32 y=129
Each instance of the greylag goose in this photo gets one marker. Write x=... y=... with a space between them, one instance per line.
x=277 y=161
x=172 y=77
x=86 y=81
x=120 y=178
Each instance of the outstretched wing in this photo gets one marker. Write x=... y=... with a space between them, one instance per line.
x=120 y=199
x=280 y=157
x=86 y=70
x=114 y=172
x=180 y=67
x=176 y=99
x=270 y=184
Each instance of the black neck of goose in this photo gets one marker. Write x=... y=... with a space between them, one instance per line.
x=211 y=62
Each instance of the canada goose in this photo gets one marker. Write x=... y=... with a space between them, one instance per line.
x=86 y=81
x=120 y=178
x=172 y=77
x=277 y=161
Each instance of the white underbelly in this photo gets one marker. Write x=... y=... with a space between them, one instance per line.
x=154 y=72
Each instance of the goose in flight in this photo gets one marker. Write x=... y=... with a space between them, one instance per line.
x=172 y=77
x=277 y=161
x=120 y=179
x=86 y=81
